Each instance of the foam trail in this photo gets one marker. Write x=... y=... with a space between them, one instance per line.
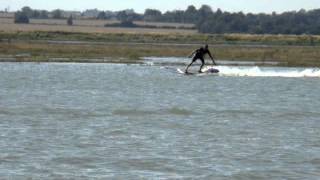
x=267 y=71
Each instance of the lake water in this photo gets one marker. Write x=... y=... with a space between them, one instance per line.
x=115 y=121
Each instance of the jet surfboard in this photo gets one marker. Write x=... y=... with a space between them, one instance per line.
x=207 y=71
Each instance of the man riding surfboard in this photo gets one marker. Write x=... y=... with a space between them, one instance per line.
x=199 y=54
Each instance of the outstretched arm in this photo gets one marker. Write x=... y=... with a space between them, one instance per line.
x=212 y=58
x=192 y=53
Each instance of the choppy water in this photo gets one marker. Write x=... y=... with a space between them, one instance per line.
x=107 y=121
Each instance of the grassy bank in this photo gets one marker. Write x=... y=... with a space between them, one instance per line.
x=130 y=47
x=43 y=52
x=131 y=53
x=237 y=39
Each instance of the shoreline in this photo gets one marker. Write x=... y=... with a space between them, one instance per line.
x=143 y=61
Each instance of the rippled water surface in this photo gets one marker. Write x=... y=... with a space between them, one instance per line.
x=86 y=121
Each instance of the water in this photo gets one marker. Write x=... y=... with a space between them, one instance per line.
x=185 y=61
x=108 y=121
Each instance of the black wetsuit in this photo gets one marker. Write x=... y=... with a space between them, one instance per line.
x=199 y=54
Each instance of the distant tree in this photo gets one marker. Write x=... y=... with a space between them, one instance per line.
x=205 y=19
x=135 y=16
x=70 y=20
x=205 y=11
x=238 y=23
x=191 y=14
x=109 y=15
x=123 y=16
x=44 y=14
x=218 y=12
x=21 y=18
x=168 y=17
x=179 y=16
x=35 y=14
x=101 y=15
x=128 y=16
x=152 y=15
x=57 y=14
x=27 y=11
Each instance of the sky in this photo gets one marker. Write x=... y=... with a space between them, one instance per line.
x=253 y=6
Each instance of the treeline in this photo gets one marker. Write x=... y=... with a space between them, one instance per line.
x=218 y=22
x=205 y=19
x=26 y=13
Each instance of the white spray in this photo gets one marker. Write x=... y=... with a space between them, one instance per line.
x=266 y=71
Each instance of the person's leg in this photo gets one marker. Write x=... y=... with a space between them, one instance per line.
x=193 y=60
x=202 y=64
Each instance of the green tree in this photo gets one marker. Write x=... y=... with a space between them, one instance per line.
x=205 y=11
x=44 y=14
x=35 y=14
x=27 y=11
x=152 y=15
x=123 y=16
x=191 y=14
x=57 y=14
x=101 y=15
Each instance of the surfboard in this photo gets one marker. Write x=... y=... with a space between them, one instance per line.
x=208 y=71
x=183 y=72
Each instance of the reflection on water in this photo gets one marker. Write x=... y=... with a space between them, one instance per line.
x=107 y=121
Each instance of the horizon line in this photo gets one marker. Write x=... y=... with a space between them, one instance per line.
x=162 y=11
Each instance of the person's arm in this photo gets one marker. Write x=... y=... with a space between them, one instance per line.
x=212 y=58
x=192 y=53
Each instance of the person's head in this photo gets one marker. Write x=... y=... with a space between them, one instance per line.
x=206 y=46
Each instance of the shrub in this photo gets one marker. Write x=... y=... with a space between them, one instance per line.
x=125 y=24
x=21 y=17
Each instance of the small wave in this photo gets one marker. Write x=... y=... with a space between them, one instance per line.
x=315 y=161
x=267 y=72
x=178 y=111
x=78 y=161
x=132 y=112
x=137 y=112
x=5 y=112
x=72 y=112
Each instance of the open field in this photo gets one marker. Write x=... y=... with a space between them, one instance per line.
x=93 y=22
x=97 y=33
x=90 y=26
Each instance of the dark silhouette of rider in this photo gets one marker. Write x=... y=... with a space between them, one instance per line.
x=199 y=54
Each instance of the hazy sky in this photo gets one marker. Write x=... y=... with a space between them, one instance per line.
x=164 y=5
